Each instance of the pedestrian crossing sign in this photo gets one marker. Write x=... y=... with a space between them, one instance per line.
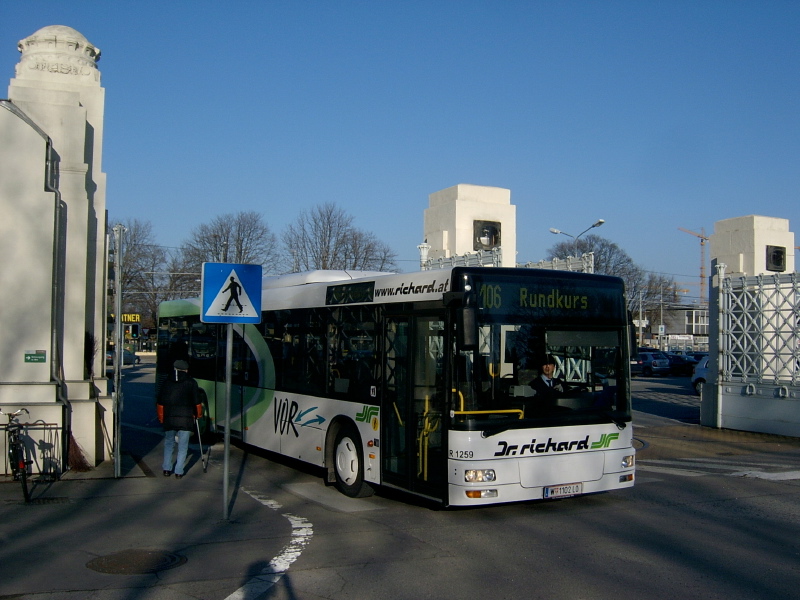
x=230 y=293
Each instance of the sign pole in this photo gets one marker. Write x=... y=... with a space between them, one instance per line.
x=231 y=294
x=226 y=460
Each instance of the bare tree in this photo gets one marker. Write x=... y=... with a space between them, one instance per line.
x=366 y=253
x=242 y=238
x=180 y=280
x=652 y=293
x=609 y=258
x=324 y=238
x=641 y=287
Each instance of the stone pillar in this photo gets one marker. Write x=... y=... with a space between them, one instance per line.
x=745 y=245
x=467 y=218
x=57 y=85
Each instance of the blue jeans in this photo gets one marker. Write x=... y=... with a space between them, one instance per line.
x=183 y=447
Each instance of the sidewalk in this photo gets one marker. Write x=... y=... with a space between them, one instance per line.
x=682 y=440
x=666 y=425
x=142 y=536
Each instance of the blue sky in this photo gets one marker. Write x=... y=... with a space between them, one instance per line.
x=651 y=115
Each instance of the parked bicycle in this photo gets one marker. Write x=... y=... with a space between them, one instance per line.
x=17 y=458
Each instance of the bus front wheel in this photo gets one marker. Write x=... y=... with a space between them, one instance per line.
x=348 y=460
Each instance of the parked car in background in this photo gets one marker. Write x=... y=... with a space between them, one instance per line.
x=636 y=365
x=654 y=362
x=700 y=375
x=697 y=356
x=680 y=365
x=128 y=358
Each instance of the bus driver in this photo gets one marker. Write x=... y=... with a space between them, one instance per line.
x=548 y=388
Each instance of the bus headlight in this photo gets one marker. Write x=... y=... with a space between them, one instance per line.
x=479 y=475
x=628 y=461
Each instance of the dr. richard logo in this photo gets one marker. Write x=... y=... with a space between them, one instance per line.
x=506 y=449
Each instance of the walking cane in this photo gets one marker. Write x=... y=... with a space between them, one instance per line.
x=200 y=441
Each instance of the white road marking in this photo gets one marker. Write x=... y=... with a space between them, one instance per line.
x=784 y=476
x=674 y=467
x=302 y=531
x=681 y=472
x=694 y=463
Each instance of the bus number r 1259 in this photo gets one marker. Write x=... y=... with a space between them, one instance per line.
x=461 y=454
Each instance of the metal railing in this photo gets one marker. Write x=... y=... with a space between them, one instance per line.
x=43 y=447
x=481 y=258
x=580 y=264
x=494 y=258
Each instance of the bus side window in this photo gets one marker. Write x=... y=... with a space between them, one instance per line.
x=351 y=360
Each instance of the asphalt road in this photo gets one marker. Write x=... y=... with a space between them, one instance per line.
x=714 y=514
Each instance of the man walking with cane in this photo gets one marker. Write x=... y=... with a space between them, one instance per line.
x=178 y=406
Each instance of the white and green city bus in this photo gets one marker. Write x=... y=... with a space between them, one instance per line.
x=422 y=381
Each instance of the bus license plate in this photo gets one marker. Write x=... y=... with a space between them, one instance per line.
x=560 y=491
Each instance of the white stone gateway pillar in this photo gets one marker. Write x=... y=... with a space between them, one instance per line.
x=753 y=345
x=467 y=218
x=749 y=245
x=57 y=87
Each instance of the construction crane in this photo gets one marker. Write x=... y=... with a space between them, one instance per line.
x=703 y=240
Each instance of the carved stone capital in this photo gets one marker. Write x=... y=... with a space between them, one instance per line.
x=58 y=51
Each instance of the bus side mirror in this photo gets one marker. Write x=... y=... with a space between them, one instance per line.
x=467 y=328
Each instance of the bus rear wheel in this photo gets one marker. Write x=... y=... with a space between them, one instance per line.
x=348 y=461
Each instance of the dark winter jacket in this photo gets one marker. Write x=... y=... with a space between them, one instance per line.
x=179 y=401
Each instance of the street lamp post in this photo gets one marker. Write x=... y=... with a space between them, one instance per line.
x=119 y=232
x=575 y=237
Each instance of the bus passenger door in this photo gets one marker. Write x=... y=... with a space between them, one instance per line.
x=413 y=440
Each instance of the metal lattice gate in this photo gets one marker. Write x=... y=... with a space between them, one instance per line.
x=759 y=329
x=757 y=357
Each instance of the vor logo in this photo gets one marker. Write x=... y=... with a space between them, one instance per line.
x=287 y=416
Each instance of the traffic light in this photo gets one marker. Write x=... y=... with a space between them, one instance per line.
x=126 y=331
x=134 y=330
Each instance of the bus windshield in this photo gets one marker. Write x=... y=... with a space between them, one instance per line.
x=522 y=322
x=504 y=378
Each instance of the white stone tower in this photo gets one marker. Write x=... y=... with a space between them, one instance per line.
x=467 y=218
x=57 y=91
x=750 y=245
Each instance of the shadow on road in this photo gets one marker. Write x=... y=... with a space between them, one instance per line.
x=667 y=397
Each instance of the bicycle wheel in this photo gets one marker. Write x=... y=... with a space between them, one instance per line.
x=21 y=469
x=26 y=492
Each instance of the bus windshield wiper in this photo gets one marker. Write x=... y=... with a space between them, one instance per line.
x=494 y=431
x=619 y=423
